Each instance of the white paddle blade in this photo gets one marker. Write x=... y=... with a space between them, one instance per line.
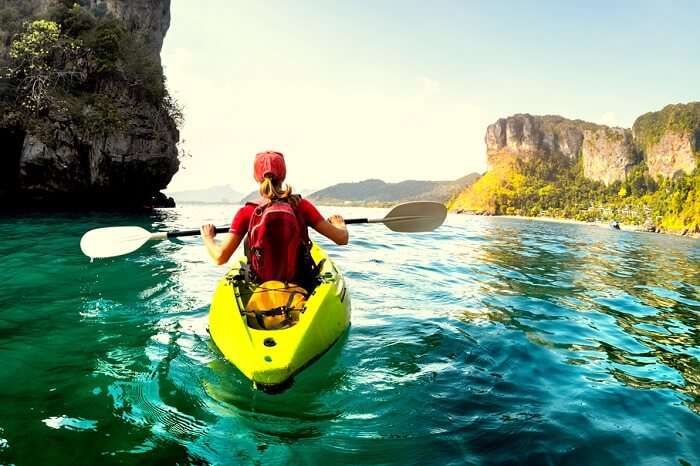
x=415 y=217
x=113 y=241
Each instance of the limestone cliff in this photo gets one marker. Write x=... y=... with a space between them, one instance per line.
x=524 y=135
x=670 y=139
x=107 y=139
x=149 y=18
x=551 y=166
x=608 y=153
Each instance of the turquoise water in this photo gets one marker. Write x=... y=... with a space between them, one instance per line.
x=489 y=341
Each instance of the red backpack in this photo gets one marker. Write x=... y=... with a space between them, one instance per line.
x=276 y=237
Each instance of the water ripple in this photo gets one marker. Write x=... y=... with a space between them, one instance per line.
x=491 y=341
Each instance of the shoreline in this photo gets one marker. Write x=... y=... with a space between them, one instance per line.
x=623 y=226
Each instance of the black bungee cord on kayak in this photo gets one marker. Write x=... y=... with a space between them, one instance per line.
x=285 y=310
x=256 y=318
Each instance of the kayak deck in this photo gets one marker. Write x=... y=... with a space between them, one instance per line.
x=271 y=357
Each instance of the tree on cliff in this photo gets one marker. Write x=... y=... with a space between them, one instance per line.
x=41 y=59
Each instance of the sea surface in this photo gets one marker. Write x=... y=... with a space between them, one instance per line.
x=488 y=341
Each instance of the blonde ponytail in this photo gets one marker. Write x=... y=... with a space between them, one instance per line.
x=274 y=191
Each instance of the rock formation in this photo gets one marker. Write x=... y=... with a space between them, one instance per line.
x=524 y=135
x=60 y=158
x=608 y=153
x=674 y=153
x=667 y=141
x=548 y=165
x=670 y=139
x=150 y=18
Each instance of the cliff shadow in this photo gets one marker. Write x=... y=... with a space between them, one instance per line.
x=11 y=141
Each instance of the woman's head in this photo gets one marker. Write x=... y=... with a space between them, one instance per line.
x=270 y=171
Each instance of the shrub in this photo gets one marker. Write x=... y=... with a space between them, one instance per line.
x=40 y=59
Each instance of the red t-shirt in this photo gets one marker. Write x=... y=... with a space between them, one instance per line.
x=240 y=222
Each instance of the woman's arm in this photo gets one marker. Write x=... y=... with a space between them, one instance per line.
x=220 y=254
x=334 y=229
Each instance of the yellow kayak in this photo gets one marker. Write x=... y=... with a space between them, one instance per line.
x=271 y=346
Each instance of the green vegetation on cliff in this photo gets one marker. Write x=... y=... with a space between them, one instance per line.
x=680 y=118
x=555 y=187
x=74 y=64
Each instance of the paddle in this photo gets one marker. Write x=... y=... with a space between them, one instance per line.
x=411 y=217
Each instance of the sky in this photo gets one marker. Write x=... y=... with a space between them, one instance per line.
x=396 y=90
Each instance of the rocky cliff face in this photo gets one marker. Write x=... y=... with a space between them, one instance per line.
x=673 y=154
x=668 y=141
x=524 y=135
x=550 y=166
x=127 y=168
x=608 y=154
x=59 y=159
x=150 y=18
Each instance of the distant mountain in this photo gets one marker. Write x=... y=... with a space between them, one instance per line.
x=214 y=195
x=377 y=192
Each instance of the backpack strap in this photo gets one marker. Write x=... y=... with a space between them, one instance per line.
x=248 y=274
x=317 y=268
x=294 y=200
x=259 y=206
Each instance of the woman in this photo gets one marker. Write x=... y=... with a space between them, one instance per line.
x=269 y=170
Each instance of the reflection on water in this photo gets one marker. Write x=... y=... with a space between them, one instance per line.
x=491 y=340
x=618 y=302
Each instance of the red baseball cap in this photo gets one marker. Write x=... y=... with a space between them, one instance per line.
x=270 y=164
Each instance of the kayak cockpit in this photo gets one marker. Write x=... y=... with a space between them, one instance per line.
x=285 y=335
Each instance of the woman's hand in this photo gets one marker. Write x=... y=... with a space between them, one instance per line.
x=337 y=221
x=208 y=231
x=333 y=229
x=220 y=253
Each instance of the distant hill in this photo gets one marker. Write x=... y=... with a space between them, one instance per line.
x=255 y=195
x=216 y=194
x=378 y=192
x=252 y=196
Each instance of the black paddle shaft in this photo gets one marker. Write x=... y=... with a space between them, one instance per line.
x=179 y=233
